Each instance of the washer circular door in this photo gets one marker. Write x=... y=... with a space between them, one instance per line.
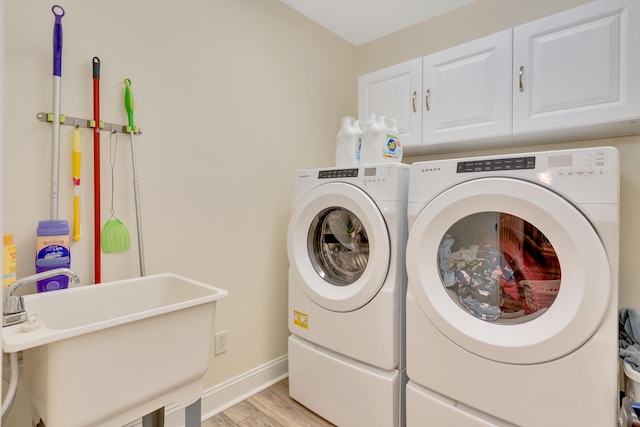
x=454 y=292
x=338 y=246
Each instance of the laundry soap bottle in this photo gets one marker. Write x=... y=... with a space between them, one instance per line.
x=389 y=142
x=9 y=261
x=369 y=153
x=52 y=251
x=380 y=143
x=348 y=143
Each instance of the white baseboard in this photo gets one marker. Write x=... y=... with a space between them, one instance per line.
x=228 y=393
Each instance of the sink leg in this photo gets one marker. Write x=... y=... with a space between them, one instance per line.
x=193 y=414
x=154 y=419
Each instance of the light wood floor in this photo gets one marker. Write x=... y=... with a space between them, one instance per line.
x=271 y=407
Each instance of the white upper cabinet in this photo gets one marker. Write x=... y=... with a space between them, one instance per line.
x=580 y=67
x=467 y=91
x=394 y=92
x=569 y=76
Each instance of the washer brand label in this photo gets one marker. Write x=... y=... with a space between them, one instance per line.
x=301 y=319
x=427 y=170
x=304 y=176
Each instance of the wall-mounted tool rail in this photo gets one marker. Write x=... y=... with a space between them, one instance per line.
x=87 y=123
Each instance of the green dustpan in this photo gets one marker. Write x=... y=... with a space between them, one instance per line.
x=114 y=236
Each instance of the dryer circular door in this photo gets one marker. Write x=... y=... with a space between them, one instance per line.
x=508 y=270
x=338 y=246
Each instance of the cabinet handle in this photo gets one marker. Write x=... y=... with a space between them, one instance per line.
x=520 y=74
x=413 y=100
x=426 y=99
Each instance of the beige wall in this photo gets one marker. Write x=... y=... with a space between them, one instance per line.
x=484 y=17
x=232 y=96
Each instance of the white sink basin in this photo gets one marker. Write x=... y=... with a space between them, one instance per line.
x=110 y=353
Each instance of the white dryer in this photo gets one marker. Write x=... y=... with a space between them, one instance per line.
x=512 y=297
x=347 y=288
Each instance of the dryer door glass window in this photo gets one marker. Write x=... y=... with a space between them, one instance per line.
x=338 y=246
x=499 y=267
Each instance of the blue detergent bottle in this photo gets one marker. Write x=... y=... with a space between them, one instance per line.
x=52 y=251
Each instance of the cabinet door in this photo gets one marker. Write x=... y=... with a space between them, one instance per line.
x=467 y=91
x=394 y=92
x=577 y=67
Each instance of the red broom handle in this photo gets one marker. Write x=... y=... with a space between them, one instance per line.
x=96 y=168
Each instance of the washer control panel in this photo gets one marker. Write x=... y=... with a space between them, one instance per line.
x=486 y=165
x=591 y=163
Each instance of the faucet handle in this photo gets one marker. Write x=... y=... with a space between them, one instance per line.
x=74 y=280
x=15 y=304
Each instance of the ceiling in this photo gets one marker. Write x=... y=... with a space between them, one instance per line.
x=361 y=21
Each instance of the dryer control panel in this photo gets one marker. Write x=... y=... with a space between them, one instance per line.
x=354 y=172
x=387 y=182
x=338 y=173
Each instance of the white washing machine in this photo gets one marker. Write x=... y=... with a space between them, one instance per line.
x=347 y=288
x=512 y=299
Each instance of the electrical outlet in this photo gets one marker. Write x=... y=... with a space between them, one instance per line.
x=220 y=346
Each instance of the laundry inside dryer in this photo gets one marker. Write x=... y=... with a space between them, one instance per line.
x=499 y=267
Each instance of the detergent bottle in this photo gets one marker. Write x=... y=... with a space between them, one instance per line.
x=9 y=261
x=369 y=153
x=348 y=143
x=52 y=251
x=391 y=149
x=380 y=143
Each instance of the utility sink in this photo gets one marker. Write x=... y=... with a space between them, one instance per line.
x=108 y=354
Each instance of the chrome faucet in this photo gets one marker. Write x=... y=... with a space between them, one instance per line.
x=13 y=310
